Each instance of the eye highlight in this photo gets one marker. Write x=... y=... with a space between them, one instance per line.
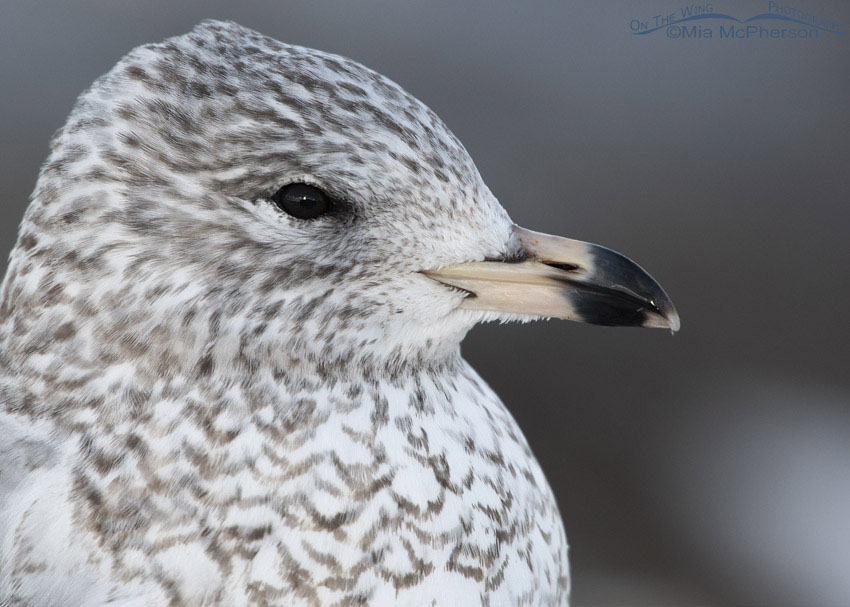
x=302 y=201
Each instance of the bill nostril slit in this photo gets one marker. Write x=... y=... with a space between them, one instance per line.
x=566 y=267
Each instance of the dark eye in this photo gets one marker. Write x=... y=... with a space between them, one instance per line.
x=302 y=201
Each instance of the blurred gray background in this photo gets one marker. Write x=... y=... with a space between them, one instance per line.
x=710 y=468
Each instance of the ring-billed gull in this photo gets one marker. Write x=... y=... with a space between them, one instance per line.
x=230 y=369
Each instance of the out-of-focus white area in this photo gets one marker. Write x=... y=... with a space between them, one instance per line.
x=755 y=484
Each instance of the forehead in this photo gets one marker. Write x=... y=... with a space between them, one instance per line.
x=247 y=91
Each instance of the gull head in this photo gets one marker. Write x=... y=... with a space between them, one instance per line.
x=224 y=200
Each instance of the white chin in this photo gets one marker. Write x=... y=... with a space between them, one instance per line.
x=477 y=316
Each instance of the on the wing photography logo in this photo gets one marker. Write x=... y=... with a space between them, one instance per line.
x=702 y=21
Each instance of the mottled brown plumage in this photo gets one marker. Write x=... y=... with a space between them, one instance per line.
x=208 y=402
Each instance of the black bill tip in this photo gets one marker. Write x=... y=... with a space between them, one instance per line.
x=617 y=292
